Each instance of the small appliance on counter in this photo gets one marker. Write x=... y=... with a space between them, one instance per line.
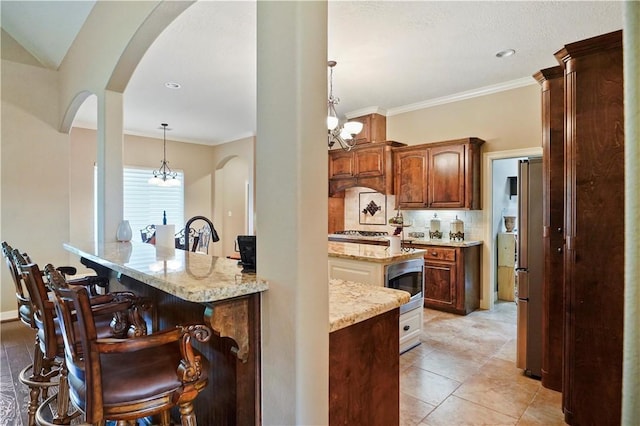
x=247 y=249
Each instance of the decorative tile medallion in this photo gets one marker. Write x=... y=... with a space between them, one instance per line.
x=373 y=208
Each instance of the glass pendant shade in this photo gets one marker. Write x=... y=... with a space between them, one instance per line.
x=353 y=127
x=332 y=122
x=344 y=134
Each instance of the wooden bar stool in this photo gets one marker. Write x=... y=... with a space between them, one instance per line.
x=113 y=314
x=126 y=379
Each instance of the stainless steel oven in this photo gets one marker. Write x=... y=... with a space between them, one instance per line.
x=408 y=276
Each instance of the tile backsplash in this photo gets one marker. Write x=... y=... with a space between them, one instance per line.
x=420 y=219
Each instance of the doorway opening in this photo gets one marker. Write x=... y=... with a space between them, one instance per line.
x=493 y=169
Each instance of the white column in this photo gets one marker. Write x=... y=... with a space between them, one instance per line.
x=291 y=210
x=631 y=353
x=110 y=154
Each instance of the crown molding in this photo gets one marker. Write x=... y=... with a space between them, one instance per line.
x=482 y=91
x=366 y=111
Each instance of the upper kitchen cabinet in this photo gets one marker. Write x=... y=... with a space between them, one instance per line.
x=367 y=165
x=374 y=128
x=443 y=175
x=411 y=170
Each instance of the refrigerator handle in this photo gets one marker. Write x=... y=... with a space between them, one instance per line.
x=523 y=283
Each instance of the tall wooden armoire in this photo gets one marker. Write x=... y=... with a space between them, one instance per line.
x=594 y=230
x=552 y=84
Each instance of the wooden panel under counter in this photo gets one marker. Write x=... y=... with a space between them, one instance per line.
x=364 y=371
x=364 y=360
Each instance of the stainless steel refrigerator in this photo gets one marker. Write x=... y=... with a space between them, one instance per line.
x=529 y=267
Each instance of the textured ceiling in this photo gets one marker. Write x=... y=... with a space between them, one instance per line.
x=393 y=56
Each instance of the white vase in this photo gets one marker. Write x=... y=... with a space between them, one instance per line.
x=124 y=231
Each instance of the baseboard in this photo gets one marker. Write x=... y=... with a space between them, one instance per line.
x=9 y=315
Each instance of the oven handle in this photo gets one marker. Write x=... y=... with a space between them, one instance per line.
x=397 y=269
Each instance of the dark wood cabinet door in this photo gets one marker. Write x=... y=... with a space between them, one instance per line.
x=411 y=178
x=370 y=161
x=447 y=177
x=341 y=164
x=552 y=83
x=594 y=200
x=440 y=285
x=374 y=128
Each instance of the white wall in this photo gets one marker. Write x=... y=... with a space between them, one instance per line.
x=35 y=170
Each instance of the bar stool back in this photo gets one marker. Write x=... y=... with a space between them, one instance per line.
x=127 y=379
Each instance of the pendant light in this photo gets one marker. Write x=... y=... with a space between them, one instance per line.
x=164 y=176
x=345 y=135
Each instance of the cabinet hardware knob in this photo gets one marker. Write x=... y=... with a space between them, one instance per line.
x=559 y=249
x=406 y=327
x=433 y=253
x=559 y=230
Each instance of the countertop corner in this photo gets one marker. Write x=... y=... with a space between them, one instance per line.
x=351 y=302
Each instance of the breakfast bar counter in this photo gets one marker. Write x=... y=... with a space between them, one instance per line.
x=194 y=277
x=187 y=287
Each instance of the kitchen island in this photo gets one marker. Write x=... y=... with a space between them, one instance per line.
x=379 y=266
x=451 y=269
x=187 y=287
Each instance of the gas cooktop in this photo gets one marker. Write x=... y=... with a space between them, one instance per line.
x=363 y=233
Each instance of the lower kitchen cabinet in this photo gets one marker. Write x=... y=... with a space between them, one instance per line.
x=452 y=278
x=359 y=271
x=410 y=329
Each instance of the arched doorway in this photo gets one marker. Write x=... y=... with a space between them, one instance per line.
x=231 y=203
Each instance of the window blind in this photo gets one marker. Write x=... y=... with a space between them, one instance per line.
x=144 y=203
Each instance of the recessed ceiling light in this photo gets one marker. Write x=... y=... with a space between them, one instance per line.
x=172 y=85
x=505 y=53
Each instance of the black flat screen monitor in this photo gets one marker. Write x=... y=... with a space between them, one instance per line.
x=247 y=247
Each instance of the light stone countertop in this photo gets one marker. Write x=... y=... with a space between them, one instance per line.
x=351 y=302
x=371 y=253
x=413 y=241
x=194 y=277
x=202 y=278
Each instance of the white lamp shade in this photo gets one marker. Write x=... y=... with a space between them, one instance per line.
x=154 y=180
x=344 y=134
x=353 y=127
x=332 y=122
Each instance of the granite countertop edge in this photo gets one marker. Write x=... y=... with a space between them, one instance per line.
x=221 y=286
x=370 y=253
x=413 y=241
x=351 y=302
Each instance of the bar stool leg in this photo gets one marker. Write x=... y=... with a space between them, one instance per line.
x=165 y=419
x=187 y=416
x=34 y=396
x=63 y=396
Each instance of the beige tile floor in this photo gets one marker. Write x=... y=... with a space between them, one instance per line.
x=464 y=373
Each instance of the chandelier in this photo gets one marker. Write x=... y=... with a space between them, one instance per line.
x=164 y=176
x=345 y=135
